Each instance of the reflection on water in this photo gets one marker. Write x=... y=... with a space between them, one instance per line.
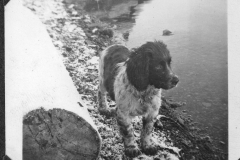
x=198 y=47
x=121 y=12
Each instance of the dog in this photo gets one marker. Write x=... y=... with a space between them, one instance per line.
x=134 y=79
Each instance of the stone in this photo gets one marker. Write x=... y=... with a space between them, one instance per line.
x=167 y=32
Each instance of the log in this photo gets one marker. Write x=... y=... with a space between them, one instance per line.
x=43 y=117
x=58 y=134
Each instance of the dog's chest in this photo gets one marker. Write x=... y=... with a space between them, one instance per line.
x=132 y=102
x=138 y=105
x=145 y=105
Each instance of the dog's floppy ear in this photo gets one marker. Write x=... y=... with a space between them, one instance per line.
x=138 y=70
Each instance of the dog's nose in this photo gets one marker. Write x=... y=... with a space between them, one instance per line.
x=175 y=80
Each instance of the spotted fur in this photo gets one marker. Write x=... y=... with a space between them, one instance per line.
x=134 y=79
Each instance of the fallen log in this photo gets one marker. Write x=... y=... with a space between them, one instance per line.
x=45 y=117
x=58 y=134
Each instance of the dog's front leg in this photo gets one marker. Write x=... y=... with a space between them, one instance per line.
x=126 y=130
x=148 y=143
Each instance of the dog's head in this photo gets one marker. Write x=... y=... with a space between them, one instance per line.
x=150 y=64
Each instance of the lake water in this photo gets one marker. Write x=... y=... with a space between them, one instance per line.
x=199 y=51
x=198 y=47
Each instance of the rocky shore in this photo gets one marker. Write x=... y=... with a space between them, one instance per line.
x=79 y=37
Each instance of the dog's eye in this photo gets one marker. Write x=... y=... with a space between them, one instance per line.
x=158 y=67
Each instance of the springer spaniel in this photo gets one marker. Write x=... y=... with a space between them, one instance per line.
x=134 y=79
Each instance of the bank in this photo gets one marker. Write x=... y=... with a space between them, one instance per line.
x=79 y=38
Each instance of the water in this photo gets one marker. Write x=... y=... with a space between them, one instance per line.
x=199 y=51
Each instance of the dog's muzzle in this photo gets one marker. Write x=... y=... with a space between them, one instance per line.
x=174 y=81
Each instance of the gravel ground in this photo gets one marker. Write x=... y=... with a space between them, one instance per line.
x=80 y=37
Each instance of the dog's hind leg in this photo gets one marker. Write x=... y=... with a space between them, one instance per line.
x=126 y=130
x=102 y=101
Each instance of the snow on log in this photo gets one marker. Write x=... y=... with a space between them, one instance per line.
x=45 y=118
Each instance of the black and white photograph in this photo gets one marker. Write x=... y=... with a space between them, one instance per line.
x=122 y=80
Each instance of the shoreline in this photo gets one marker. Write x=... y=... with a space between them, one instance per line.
x=79 y=37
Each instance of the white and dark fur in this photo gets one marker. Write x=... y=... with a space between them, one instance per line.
x=134 y=79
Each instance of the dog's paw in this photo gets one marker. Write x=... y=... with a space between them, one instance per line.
x=150 y=150
x=150 y=146
x=109 y=112
x=132 y=151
